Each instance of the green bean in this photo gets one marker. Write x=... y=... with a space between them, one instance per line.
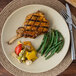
x=54 y=42
x=56 y=37
x=47 y=52
x=41 y=43
x=52 y=39
x=43 y=47
x=51 y=42
x=52 y=53
x=61 y=46
x=60 y=38
x=48 y=41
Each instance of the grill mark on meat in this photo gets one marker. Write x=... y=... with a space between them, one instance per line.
x=29 y=35
x=27 y=25
x=30 y=30
x=38 y=26
x=36 y=20
x=40 y=22
x=35 y=16
x=44 y=26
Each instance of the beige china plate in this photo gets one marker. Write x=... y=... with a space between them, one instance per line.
x=16 y=19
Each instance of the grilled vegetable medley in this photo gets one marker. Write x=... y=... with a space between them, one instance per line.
x=25 y=52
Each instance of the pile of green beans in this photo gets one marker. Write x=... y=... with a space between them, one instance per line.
x=52 y=43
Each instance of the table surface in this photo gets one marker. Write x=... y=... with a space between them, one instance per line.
x=70 y=71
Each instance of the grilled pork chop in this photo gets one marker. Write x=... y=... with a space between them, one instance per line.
x=34 y=25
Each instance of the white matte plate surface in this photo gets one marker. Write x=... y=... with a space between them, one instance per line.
x=16 y=19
